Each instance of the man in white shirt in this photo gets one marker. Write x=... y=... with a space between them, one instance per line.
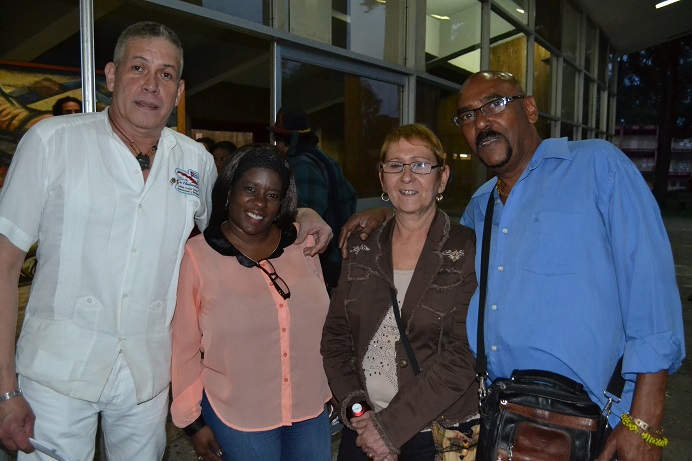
x=111 y=198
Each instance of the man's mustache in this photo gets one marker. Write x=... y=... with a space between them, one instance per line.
x=485 y=135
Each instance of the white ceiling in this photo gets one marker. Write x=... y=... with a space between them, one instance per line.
x=631 y=25
x=634 y=25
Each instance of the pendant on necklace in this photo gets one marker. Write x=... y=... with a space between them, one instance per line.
x=144 y=161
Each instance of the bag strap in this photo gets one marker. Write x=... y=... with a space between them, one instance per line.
x=481 y=359
x=402 y=333
x=616 y=384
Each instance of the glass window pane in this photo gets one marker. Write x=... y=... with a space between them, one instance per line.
x=345 y=107
x=542 y=79
x=519 y=9
x=569 y=92
x=567 y=130
x=571 y=33
x=452 y=38
x=543 y=126
x=507 y=48
x=587 y=105
x=251 y=10
x=547 y=21
x=434 y=108
x=371 y=28
x=603 y=59
x=591 y=47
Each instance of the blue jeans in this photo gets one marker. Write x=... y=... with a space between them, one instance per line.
x=308 y=440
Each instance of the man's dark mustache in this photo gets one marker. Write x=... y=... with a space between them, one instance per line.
x=485 y=135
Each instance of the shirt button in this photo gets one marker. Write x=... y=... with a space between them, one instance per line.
x=121 y=338
x=88 y=300
x=141 y=206
x=494 y=307
x=500 y=268
x=505 y=230
x=283 y=330
x=285 y=354
x=125 y=296
x=281 y=305
x=285 y=380
x=403 y=364
x=494 y=348
x=134 y=250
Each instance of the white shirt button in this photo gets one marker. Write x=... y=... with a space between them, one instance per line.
x=500 y=268
x=505 y=230
x=141 y=206
x=494 y=348
x=125 y=296
x=494 y=307
x=134 y=250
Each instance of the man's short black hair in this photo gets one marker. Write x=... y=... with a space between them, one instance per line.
x=57 y=107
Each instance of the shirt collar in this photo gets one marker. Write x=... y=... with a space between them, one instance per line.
x=218 y=242
x=548 y=148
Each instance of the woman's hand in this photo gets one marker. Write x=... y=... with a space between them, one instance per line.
x=312 y=224
x=369 y=439
x=365 y=222
x=206 y=446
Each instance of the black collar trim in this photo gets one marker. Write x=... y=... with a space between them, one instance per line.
x=219 y=243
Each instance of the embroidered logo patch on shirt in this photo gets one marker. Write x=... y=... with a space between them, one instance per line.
x=186 y=182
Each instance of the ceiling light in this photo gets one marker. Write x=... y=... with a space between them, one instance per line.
x=520 y=10
x=666 y=3
x=437 y=16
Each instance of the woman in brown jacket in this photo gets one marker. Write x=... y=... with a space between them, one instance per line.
x=426 y=263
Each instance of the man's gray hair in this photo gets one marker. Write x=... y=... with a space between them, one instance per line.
x=147 y=29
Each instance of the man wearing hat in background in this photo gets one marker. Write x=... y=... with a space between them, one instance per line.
x=320 y=181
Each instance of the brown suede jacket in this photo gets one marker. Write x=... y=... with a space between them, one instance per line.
x=434 y=312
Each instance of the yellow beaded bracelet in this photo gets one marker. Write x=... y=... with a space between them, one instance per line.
x=648 y=438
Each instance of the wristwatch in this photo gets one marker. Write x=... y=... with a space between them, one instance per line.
x=357 y=409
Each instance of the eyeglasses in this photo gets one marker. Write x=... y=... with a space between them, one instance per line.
x=279 y=283
x=489 y=108
x=415 y=167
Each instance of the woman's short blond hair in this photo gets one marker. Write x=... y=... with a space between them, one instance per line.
x=414 y=133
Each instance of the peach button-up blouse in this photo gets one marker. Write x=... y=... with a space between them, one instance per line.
x=255 y=354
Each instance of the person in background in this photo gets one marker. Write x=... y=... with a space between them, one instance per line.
x=579 y=259
x=321 y=183
x=221 y=151
x=425 y=263
x=67 y=105
x=248 y=382
x=207 y=142
x=96 y=334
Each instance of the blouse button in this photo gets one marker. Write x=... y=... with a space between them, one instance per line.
x=285 y=380
x=283 y=330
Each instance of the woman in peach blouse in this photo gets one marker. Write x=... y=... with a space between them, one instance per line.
x=247 y=376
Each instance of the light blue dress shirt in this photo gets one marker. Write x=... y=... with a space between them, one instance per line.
x=580 y=272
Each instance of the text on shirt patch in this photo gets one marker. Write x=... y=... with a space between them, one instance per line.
x=186 y=182
x=453 y=255
x=357 y=249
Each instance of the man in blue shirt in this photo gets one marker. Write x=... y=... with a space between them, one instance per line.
x=580 y=272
